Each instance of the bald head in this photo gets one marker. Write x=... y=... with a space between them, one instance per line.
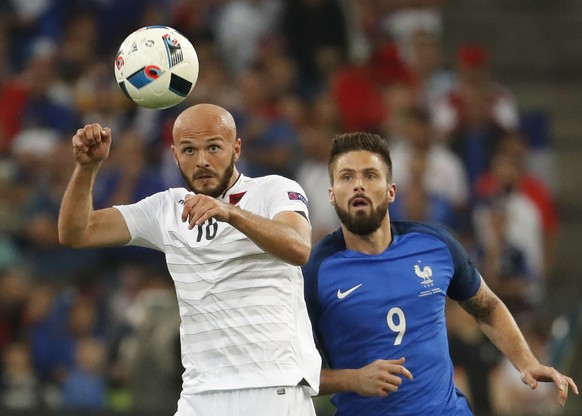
x=205 y=119
x=206 y=148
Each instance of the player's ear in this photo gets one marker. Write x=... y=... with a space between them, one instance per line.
x=391 y=193
x=237 y=149
x=331 y=196
x=175 y=156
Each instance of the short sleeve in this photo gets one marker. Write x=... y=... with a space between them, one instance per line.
x=142 y=219
x=284 y=195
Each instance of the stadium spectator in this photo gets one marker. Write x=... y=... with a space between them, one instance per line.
x=316 y=35
x=524 y=225
x=421 y=162
x=85 y=385
x=423 y=54
x=241 y=26
x=474 y=115
x=518 y=176
x=20 y=388
x=504 y=265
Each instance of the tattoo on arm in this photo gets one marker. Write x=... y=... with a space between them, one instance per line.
x=481 y=306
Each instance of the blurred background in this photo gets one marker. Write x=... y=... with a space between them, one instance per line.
x=480 y=101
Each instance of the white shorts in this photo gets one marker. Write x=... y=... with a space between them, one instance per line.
x=270 y=401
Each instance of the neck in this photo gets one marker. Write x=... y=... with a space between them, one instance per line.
x=233 y=178
x=374 y=243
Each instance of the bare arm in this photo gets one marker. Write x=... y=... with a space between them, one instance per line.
x=498 y=324
x=379 y=378
x=286 y=236
x=79 y=225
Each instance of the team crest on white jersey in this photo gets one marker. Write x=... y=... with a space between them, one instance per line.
x=425 y=274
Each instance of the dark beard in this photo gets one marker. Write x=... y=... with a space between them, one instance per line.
x=216 y=191
x=361 y=223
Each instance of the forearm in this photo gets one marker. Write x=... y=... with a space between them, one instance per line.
x=379 y=378
x=76 y=206
x=503 y=331
x=275 y=237
x=499 y=326
x=335 y=381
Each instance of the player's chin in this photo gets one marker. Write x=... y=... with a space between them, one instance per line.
x=206 y=187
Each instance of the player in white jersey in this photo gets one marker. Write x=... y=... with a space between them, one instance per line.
x=233 y=246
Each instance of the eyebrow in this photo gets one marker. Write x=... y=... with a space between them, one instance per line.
x=190 y=142
x=364 y=170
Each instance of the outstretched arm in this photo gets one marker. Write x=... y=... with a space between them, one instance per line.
x=79 y=225
x=286 y=236
x=498 y=324
x=379 y=378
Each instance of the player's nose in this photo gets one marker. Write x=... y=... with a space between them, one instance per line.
x=202 y=160
x=358 y=184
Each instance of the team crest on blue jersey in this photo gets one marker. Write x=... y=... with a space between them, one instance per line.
x=296 y=196
x=425 y=274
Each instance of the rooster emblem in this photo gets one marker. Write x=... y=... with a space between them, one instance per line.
x=425 y=274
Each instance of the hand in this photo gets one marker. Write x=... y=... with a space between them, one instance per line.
x=380 y=378
x=533 y=374
x=199 y=208
x=91 y=144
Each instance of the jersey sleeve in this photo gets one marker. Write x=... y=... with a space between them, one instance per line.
x=466 y=279
x=284 y=195
x=142 y=220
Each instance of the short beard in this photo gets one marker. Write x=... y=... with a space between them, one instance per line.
x=361 y=223
x=218 y=189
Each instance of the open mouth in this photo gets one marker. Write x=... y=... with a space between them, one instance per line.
x=359 y=202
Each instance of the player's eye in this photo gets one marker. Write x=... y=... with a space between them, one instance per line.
x=188 y=150
x=214 y=148
x=371 y=176
x=346 y=177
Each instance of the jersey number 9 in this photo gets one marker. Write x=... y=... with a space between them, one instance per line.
x=397 y=325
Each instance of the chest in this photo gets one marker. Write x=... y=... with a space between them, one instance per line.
x=367 y=292
x=212 y=237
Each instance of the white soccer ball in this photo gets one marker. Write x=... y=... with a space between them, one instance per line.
x=156 y=67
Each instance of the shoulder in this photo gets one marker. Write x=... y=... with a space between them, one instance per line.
x=327 y=247
x=172 y=196
x=409 y=227
x=160 y=198
x=280 y=185
x=432 y=231
x=274 y=180
x=161 y=203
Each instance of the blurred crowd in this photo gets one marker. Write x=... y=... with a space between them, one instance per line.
x=98 y=329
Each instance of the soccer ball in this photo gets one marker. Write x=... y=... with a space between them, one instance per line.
x=156 y=67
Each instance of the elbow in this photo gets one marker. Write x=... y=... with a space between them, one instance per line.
x=67 y=240
x=64 y=240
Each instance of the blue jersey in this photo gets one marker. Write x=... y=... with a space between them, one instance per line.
x=391 y=305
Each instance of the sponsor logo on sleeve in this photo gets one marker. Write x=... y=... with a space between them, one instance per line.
x=296 y=196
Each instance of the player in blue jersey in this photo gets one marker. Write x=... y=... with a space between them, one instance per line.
x=376 y=293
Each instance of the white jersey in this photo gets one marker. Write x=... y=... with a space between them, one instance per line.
x=244 y=322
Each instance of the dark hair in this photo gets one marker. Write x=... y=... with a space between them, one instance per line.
x=353 y=142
